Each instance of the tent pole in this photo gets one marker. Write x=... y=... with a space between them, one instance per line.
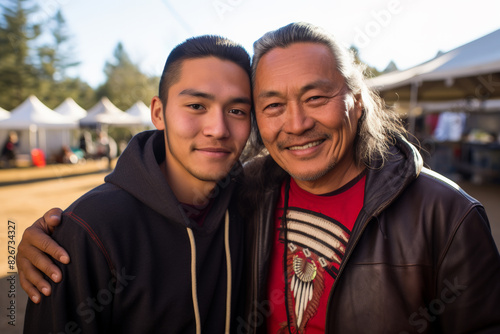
x=43 y=141
x=413 y=106
x=33 y=129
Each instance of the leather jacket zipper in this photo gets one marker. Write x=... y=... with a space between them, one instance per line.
x=342 y=266
x=351 y=249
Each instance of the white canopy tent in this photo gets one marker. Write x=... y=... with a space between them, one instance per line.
x=461 y=89
x=479 y=57
x=461 y=105
x=105 y=113
x=140 y=110
x=468 y=73
x=39 y=127
x=71 y=109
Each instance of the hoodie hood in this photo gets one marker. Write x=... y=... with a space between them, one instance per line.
x=138 y=172
x=386 y=182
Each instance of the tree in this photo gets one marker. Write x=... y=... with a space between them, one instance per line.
x=391 y=67
x=57 y=57
x=54 y=58
x=17 y=71
x=125 y=83
x=79 y=91
x=370 y=71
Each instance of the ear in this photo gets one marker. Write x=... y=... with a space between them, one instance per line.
x=358 y=107
x=157 y=113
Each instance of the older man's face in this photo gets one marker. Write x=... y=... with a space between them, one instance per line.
x=306 y=115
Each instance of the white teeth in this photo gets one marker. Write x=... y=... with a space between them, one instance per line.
x=314 y=143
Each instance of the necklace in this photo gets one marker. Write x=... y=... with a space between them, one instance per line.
x=285 y=252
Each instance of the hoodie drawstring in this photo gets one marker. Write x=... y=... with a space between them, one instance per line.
x=193 y=276
x=229 y=272
x=193 y=281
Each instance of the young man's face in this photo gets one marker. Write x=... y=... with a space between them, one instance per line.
x=207 y=120
x=301 y=106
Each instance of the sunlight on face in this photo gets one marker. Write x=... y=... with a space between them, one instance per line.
x=306 y=115
x=207 y=120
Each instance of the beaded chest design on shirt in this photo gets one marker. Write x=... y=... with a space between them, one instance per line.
x=316 y=246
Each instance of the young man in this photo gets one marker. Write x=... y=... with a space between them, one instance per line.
x=165 y=203
x=347 y=233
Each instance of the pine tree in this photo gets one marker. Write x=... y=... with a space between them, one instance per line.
x=17 y=71
x=369 y=70
x=54 y=58
x=57 y=57
x=125 y=83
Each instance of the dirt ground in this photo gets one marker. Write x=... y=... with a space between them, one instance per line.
x=23 y=201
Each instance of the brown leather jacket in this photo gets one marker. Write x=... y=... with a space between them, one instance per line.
x=421 y=257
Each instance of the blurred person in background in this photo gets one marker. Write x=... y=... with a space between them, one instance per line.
x=9 y=150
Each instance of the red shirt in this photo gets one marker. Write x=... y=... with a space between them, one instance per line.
x=318 y=229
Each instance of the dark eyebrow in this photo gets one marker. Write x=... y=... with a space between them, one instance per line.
x=196 y=93
x=243 y=100
x=211 y=97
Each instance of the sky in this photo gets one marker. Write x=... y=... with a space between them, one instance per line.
x=408 y=32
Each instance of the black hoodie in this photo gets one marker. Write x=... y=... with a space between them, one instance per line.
x=138 y=263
